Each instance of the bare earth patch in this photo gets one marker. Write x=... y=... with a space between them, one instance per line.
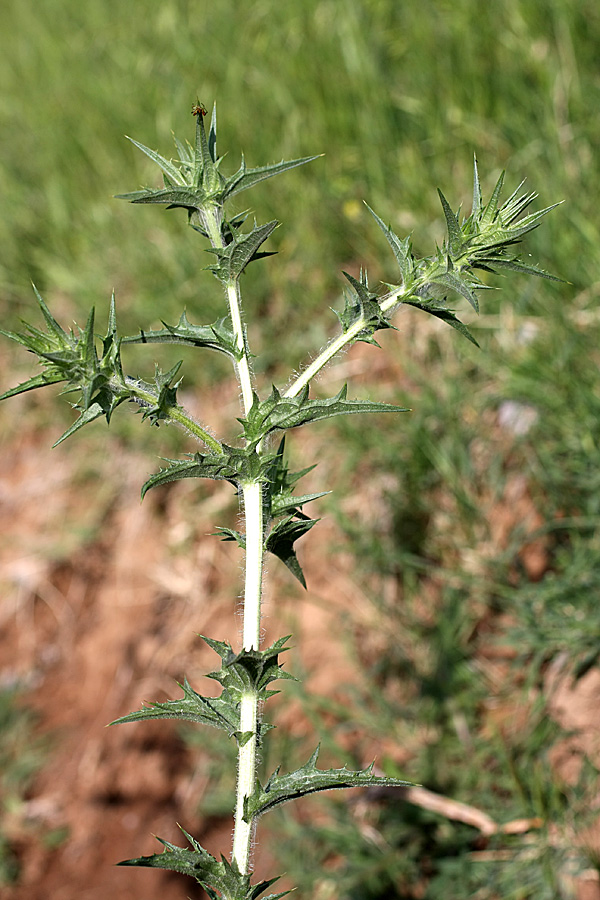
x=102 y=601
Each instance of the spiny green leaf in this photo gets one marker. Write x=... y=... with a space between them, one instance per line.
x=477 y=200
x=220 y=712
x=93 y=412
x=282 y=537
x=281 y=504
x=185 y=151
x=233 y=259
x=490 y=263
x=453 y=281
x=51 y=322
x=167 y=166
x=308 y=780
x=524 y=226
x=196 y=863
x=490 y=211
x=54 y=340
x=217 y=336
x=516 y=204
x=483 y=241
x=72 y=358
x=219 y=878
x=401 y=248
x=215 y=466
x=280 y=412
x=362 y=306
x=455 y=237
x=212 y=134
x=207 y=170
x=111 y=343
x=233 y=464
x=446 y=315
x=31 y=384
x=245 y=178
x=279 y=496
x=248 y=670
x=230 y=534
x=175 y=198
x=164 y=393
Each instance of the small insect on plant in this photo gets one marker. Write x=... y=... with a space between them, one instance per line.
x=255 y=463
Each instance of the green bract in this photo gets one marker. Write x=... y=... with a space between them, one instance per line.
x=92 y=369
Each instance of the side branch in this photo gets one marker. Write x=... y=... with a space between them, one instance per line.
x=387 y=303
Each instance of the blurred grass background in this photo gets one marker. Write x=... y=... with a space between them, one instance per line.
x=399 y=96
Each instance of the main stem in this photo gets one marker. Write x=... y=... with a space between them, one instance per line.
x=247 y=754
x=253 y=514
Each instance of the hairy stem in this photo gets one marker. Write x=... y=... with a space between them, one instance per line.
x=211 y=219
x=243 y=831
x=177 y=414
x=342 y=340
x=243 y=368
x=253 y=514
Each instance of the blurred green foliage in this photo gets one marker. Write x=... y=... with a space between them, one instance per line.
x=21 y=755
x=398 y=97
x=501 y=454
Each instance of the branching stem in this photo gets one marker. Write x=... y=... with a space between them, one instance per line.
x=177 y=414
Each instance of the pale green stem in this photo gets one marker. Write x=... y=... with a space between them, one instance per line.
x=243 y=369
x=387 y=303
x=178 y=415
x=243 y=831
x=211 y=220
x=253 y=514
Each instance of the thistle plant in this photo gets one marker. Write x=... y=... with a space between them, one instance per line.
x=91 y=368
